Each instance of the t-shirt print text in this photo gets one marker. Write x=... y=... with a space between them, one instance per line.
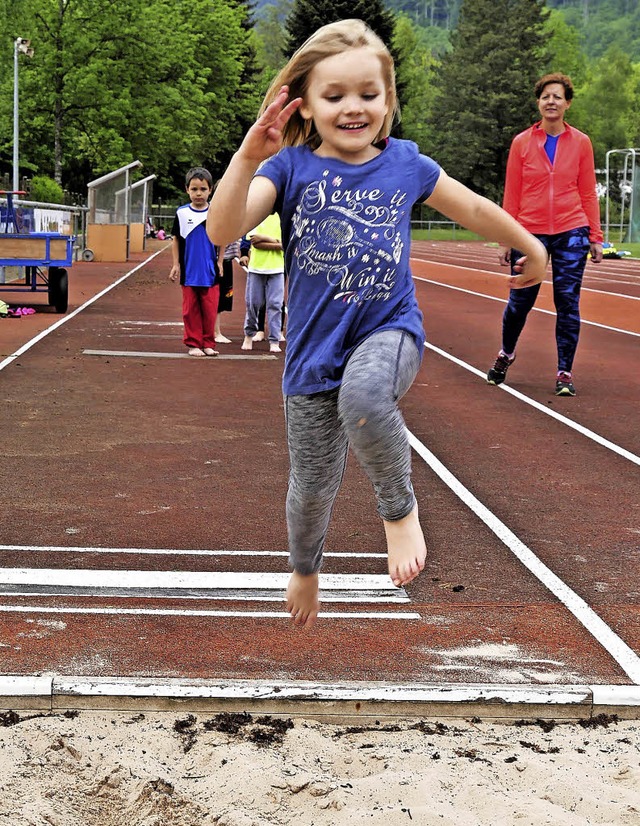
x=351 y=237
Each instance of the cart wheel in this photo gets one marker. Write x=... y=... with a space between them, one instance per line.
x=59 y=289
x=87 y=255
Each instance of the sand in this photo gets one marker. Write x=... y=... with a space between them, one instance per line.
x=163 y=769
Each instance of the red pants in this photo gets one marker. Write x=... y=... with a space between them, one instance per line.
x=199 y=311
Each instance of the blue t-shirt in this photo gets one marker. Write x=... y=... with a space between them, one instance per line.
x=346 y=231
x=197 y=255
x=550 y=146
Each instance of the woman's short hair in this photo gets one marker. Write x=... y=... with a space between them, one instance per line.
x=556 y=77
x=327 y=41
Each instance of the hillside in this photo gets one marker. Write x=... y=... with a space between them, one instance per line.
x=600 y=23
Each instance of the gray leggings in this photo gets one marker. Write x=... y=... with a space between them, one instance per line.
x=361 y=413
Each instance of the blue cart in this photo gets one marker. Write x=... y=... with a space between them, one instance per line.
x=44 y=255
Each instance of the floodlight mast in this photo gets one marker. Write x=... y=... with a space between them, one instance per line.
x=20 y=46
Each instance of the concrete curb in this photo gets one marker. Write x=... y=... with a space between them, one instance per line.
x=338 y=702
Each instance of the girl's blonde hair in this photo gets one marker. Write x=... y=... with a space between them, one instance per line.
x=332 y=39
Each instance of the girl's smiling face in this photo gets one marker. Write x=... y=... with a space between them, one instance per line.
x=347 y=99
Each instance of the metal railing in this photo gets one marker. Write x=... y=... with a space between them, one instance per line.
x=45 y=217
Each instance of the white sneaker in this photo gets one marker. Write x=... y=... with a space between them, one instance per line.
x=209 y=351
x=196 y=351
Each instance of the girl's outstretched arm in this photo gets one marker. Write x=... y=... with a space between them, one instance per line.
x=241 y=201
x=481 y=215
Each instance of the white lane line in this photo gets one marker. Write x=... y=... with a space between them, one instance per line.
x=507 y=275
x=151 y=355
x=584 y=431
x=174 y=552
x=535 y=309
x=167 y=612
x=218 y=585
x=148 y=323
x=193 y=580
x=605 y=279
x=9 y=359
x=626 y=658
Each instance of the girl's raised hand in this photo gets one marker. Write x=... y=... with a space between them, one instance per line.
x=264 y=138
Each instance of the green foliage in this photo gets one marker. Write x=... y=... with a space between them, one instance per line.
x=598 y=24
x=45 y=190
x=270 y=27
x=484 y=89
x=564 y=50
x=307 y=16
x=168 y=82
x=178 y=82
x=601 y=24
x=415 y=70
x=607 y=107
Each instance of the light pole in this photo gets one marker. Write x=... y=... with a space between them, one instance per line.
x=24 y=46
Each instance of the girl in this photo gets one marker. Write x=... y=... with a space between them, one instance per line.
x=344 y=192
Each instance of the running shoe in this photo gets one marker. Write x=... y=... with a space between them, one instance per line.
x=498 y=372
x=564 y=385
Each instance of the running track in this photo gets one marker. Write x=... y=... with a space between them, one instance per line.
x=143 y=549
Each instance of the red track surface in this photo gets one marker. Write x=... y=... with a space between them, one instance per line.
x=106 y=451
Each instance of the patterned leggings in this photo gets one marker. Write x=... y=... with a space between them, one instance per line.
x=361 y=413
x=568 y=252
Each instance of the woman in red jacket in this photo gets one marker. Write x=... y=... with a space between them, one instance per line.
x=550 y=189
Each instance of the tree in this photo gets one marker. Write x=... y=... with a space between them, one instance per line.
x=415 y=74
x=607 y=108
x=270 y=26
x=168 y=82
x=563 y=46
x=45 y=190
x=308 y=15
x=484 y=89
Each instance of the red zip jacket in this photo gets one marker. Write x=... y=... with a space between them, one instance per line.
x=548 y=199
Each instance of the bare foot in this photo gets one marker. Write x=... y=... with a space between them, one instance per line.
x=274 y=348
x=406 y=548
x=247 y=344
x=302 y=599
x=259 y=336
x=220 y=339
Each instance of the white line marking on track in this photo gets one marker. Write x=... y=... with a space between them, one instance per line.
x=536 y=309
x=198 y=580
x=507 y=275
x=148 y=323
x=584 y=431
x=181 y=552
x=626 y=658
x=9 y=359
x=141 y=354
x=167 y=612
x=190 y=585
